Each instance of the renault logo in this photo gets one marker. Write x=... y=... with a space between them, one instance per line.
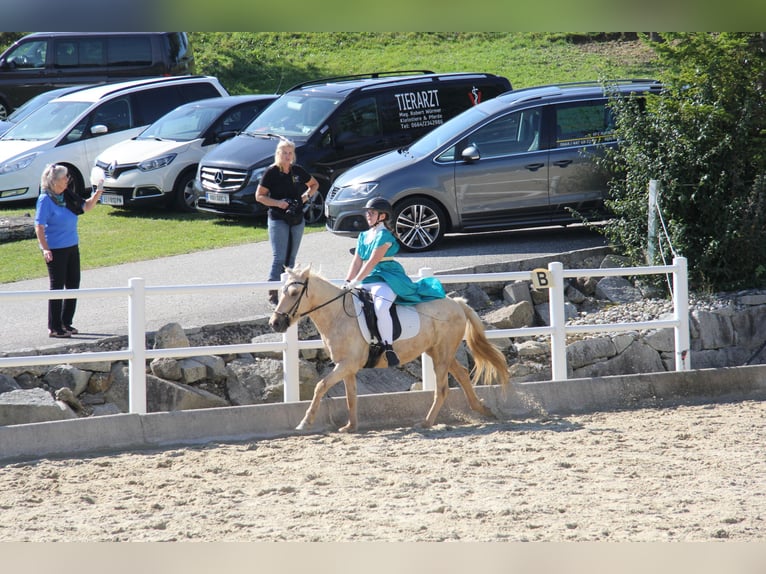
x=218 y=177
x=109 y=171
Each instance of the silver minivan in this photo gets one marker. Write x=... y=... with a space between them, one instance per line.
x=522 y=159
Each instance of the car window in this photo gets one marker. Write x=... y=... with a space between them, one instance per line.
x=235 y=120
x=294 y=115
x=92 y=52
x=29 y=54
x=151 y=104
x=447 y=131
x=192 y=92
x=130 y=51
x=583 y=123
x=65 y=54
x=114 y=114
x=512 y=133
x=358 y=120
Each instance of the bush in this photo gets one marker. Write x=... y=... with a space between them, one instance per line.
x=704 y=140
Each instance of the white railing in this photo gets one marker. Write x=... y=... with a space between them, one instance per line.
x=553 y=278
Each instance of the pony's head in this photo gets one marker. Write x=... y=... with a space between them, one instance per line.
x=292 y=297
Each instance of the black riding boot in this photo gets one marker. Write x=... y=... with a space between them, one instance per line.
x=391 y=357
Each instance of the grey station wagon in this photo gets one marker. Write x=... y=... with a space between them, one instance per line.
x=522 y=159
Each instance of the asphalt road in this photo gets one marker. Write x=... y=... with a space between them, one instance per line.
x=24 y=323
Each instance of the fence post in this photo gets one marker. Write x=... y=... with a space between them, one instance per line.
x=651 y=236
x=681 y=309
x=291 y=361
x=137 y=346
x=428 y=374
x=558 y=322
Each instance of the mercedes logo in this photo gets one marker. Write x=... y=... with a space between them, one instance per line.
x=218 y=177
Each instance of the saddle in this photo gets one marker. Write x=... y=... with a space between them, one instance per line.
x=376 y=343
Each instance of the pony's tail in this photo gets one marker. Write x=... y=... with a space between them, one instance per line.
x=490 y=362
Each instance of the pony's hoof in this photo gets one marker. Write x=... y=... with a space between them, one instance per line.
x=302 y=426
x=347 y=429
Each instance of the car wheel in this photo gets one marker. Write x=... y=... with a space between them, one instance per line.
x=419 y=223
x=3 y=111
x=183 y=191
x=313 y=209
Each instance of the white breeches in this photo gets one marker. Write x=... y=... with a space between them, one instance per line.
x=382 y=297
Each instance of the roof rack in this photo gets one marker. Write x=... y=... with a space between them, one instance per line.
x=371 y=75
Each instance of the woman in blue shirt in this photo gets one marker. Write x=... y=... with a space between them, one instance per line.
x=373 y=268
x=56 y=230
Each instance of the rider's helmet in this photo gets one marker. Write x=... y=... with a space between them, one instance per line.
x=381 y=205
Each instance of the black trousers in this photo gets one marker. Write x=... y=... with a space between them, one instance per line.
x=63 y=273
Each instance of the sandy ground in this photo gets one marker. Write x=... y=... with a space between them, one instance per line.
x=684 y=473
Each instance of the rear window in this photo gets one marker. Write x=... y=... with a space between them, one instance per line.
x=198 y=91
x=149 y=105
x=130 y=51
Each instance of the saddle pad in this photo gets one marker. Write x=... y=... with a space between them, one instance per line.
x=408 y=317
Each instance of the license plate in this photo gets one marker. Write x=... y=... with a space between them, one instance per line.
x=109 y=199
x=213 y=197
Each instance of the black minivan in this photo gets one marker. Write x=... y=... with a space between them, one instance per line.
x=45 y=60
x=335 y=123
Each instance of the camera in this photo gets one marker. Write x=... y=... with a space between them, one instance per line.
x=294 y=208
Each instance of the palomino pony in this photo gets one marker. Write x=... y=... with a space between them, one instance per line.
x=443 y=325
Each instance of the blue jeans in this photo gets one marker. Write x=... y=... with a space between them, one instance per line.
x=285 y=240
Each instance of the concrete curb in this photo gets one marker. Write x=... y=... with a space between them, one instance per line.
x=114 y=433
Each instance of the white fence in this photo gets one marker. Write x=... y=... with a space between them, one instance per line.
x=554 y=277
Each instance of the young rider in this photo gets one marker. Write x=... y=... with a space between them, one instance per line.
x=373 y=268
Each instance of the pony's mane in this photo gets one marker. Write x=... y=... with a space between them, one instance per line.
x=297 y=270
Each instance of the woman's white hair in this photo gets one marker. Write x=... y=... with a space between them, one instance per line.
x=51 y=173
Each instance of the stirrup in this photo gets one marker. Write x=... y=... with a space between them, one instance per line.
x=391 y=357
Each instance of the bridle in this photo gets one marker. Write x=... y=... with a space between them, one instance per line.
x=293 y=310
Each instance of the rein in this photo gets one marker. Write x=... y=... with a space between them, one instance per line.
x=292 y=311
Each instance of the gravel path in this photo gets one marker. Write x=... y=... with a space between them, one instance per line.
x=684 y=473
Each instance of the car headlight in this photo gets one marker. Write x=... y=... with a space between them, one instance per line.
x=356 y=192
x=17 y=163
x=256 y=176
x=157 y=162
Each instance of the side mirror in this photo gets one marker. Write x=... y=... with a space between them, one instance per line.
x=99 y=129
x=471 y=153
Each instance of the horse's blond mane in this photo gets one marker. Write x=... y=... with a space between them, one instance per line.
x=298 y=271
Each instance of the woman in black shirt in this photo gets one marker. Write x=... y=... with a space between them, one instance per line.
x=284 y=188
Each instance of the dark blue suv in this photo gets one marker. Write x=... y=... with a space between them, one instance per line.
x=335 y=123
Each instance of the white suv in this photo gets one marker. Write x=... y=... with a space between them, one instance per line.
x=73 y=129
x=157 y=166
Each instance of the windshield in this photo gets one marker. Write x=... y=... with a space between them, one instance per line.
x=447 y=131
x=182 y=124
x=29 y=106
x=292 y=116
x=47 y=122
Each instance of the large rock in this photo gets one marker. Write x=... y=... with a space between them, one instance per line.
x=26 y=406
x=161 y=395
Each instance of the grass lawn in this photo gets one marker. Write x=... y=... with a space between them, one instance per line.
x=110 y=236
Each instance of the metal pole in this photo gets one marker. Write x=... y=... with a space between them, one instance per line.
x=681 y=309
x=558 y=322
x=137 y=346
